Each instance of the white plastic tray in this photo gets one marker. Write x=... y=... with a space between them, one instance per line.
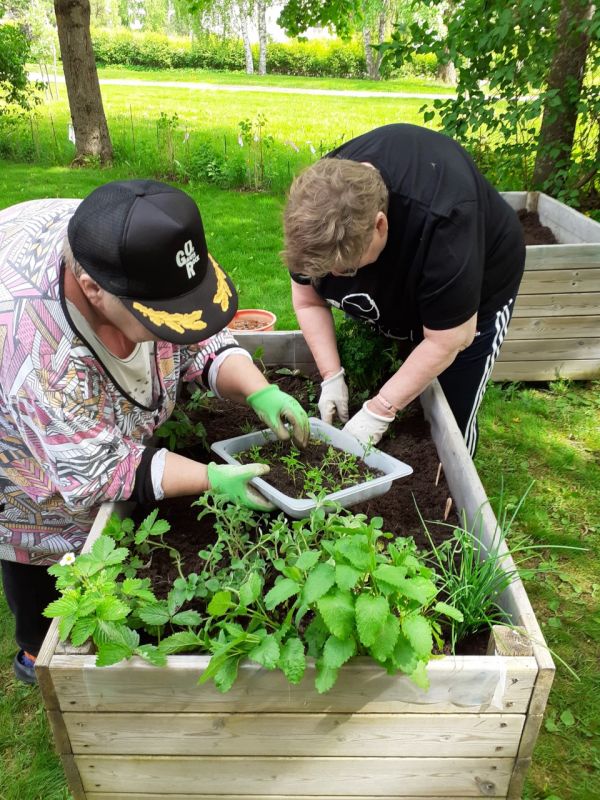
x=298 y=508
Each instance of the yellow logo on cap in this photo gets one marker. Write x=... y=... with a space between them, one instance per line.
x=223 y=292
x=177 y=322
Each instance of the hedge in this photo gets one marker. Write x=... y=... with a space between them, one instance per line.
x=326 y=58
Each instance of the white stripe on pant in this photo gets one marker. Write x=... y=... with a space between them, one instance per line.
x=502 y=320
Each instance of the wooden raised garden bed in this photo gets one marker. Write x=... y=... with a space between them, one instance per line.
x=136 y=732
x=555 y=331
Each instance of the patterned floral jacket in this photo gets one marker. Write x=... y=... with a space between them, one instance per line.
x=69 y=438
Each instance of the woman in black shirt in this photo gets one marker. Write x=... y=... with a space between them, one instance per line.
x=397 y=227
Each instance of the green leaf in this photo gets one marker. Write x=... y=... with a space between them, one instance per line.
x=448 y=611
x=371 y=614
x=154 y=613
x=111 y=609
x=326 y=678
x=307 y=559
x=315 y=636
x=151 y=654
x=179 y=642
x=389 y=574
x=103 y=547
x=63 y=607
x=384 y=644
x=65 y=626
x=417 y=630
x=337 y=610
x=186 y=618
x=319 y=582
x=567 y=718
x=220 y=604
x=419 y=675
x=292 y=660
x=420 y=589
x=266 y=653
x=83 y=629
x=337 y=651
x=404 y=656
x=346 y=577
x=225 y=676
x=111 y=653
x=282 y=591
x=355 y=549
x=250 y=589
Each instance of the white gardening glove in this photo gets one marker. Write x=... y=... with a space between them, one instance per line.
x=367 y=427
x=334 y=397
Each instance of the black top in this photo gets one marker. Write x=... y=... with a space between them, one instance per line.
x=454 y=247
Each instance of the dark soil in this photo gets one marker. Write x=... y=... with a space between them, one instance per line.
x=315 y=457
x=535 y=232
x=244 y=324
x=409 y=440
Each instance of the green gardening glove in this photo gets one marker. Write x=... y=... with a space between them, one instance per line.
x=275 y=408
x=234 y=482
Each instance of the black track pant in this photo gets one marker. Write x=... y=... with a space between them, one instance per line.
x=465 y=380
x=28 y=589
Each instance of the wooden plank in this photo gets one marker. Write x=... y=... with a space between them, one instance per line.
x=517 y=780
x=544 y=305
x=560 y=327
x=567 y=224
x=152 y=796
x=330 y=734
x=551 y=349
x=581 y=369
x=73 y=777
x=458 y=684
x=342 y=777
x=561 y=256
x=469 y=495
x=554 y=281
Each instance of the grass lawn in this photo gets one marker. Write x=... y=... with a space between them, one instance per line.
x=412 y=85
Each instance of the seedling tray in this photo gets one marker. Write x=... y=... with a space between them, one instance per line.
x=391 y=468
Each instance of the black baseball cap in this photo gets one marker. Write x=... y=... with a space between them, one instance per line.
x=143 y=241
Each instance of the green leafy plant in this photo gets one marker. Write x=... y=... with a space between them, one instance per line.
x=474 y=575
x=181 y=432
x=367 y=359
x=274 y=592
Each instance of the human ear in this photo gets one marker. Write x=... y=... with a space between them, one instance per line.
x=381 y=223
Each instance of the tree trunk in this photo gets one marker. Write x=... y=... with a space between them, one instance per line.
x=447 y=72
x=261 y=7
x=81 y=77
x=369 y=61
x=246 y=39
x=565 y=80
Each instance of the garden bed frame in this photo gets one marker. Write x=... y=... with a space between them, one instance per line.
x=137 y=732
x=555 y=330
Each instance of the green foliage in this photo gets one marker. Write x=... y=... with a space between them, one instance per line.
x=14 y=85
x=366 y=356
x=360 y=597
x=502 y=52
x=315 y=58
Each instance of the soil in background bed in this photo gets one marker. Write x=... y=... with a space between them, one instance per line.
x=409 y=440
x=534 y=231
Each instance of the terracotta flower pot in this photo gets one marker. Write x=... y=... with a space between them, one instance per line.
x=252 y=319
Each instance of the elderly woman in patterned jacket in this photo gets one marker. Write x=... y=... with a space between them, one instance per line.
x=106 y=306
x=399 y=229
